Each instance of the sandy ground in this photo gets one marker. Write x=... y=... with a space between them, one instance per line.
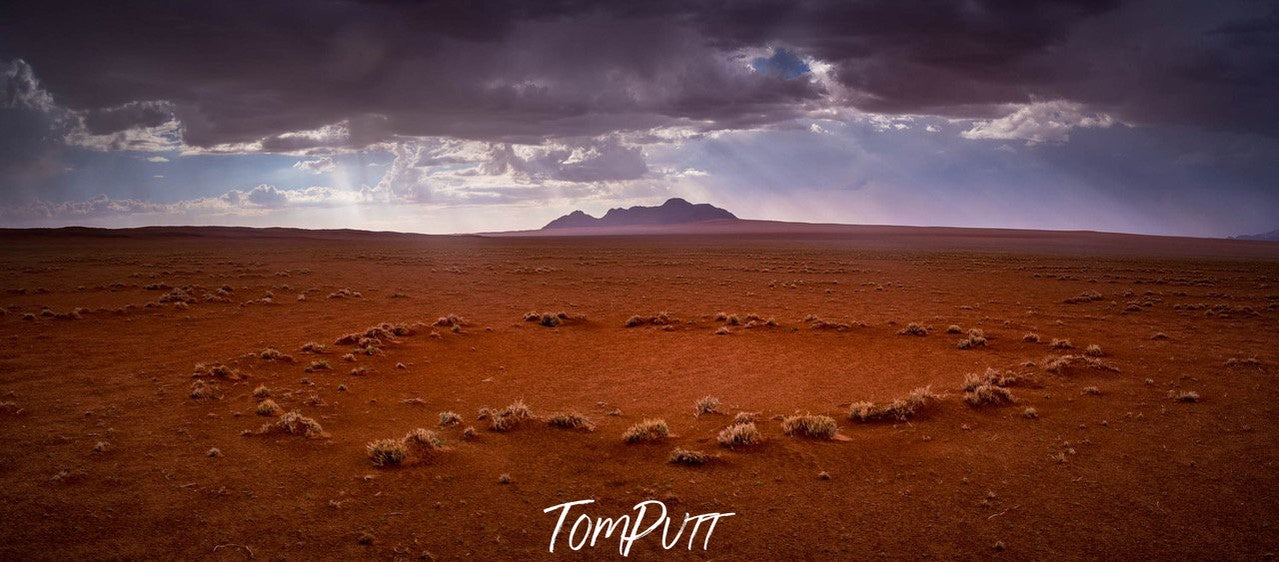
x=1113 y=465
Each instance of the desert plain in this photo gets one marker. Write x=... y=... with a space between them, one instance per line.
x=1122 y=394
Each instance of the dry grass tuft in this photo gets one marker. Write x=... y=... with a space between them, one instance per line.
x=991 y=376
x=810 y=425
x=707 y=405
x=1061 y=364
x=1061 y=344
x=976 y=338
x=273 y=354
x=451 y=321
x=294 y=423
x=745 y=417
x=261 y=392
x=901 y=409
x=647 y=430
x=988 y=395
x=418 y=443
x=203 y=391
x=1030 y=338
x=509 y=417
x=313 y=347
x=688 y=457
x=570 y=420
x=1030 y=414
x=954 y=329
x=320 y=365
x=548 y=319
x=449 y=419
x=1094 y=350
x=1188 y=396
x=423 y=441
x=268 y=407
x=739 y=435
x=913 y=329
x=1243 y=362
x=1091 y=391
x=387 y=452
x=661 y=319
x=723 y=331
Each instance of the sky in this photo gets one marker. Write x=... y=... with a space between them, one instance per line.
x=1158 y=117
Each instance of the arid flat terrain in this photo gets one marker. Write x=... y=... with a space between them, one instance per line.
x=1121 y=393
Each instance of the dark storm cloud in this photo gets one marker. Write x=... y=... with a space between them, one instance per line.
x=132 y=115
x=524 y=71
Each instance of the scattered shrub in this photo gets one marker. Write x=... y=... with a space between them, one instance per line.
x=294 y=423
x=988 y=395
x=313 y=347
x=509 y=417
x=1243 y=362
x=1030 y=338
x=1092 y=391
x=976 y=338
x=422 y=441
x=1030 y=413
x=1188 y=396
x=647 y=430
x=320 y=365
x=688 y=457
x=1059 y=365
x=739 y=435
x=202 y=391
x=954 y=329
x=745 y=417
x=1093 y=350
x=1061 y=344
x=810 y=425
x=451 y=321
x=449 y=419
x=901 y=409
x=991 y=376
x=268 y=407
x=1084 y=297
x=387 y=452
x=570 y=420
x=261 y=392
x=722 y=331
x=913 y=329
x=707 y=405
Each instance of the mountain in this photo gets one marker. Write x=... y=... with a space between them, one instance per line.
x=673 y=211
x=1272 y=235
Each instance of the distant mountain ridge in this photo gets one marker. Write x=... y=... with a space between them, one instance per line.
x=673 y=211
x=1273 y=235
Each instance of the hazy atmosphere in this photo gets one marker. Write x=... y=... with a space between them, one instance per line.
x=1147 y=117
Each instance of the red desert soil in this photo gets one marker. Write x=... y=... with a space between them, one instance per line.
x=1124 y=471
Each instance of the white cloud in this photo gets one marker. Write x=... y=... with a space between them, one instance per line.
x=321 y=165
x=157 y=159
x=1039 y=122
